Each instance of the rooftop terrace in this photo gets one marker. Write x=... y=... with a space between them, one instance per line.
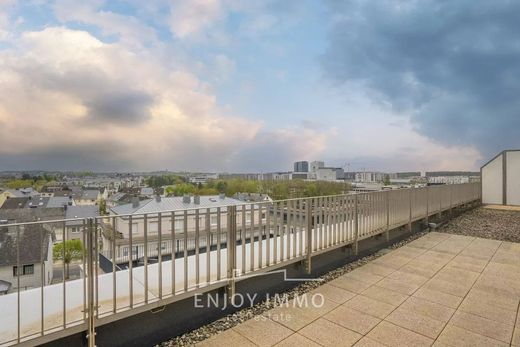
x=441 y=289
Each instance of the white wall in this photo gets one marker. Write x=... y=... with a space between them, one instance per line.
x=492 y=190
x=513 y=178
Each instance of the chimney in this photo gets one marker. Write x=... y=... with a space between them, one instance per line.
x=196 y=199
x=135 y=201
x=158 y=198
x=222 y=196
x=186 y=199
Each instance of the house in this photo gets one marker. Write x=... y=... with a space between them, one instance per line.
x=119 y=238
x=27 y=263
x=16 y=193
x=75 y=227
x=89 y=197
x=146 y=192
x=500 y=179
x=252 y=197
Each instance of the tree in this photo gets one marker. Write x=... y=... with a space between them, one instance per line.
x=386 y=180
x=102 y=207
x=73 y=251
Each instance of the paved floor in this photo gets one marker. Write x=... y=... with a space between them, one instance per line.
x=441 y=290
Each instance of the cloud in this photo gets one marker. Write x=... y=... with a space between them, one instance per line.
x=71 y=101
x=189 y=17
x=454 y=66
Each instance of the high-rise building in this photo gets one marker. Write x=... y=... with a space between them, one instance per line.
x=301 y=166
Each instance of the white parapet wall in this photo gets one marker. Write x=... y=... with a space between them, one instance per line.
x=501 y=179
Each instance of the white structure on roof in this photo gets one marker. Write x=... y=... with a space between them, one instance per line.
x=501 y=179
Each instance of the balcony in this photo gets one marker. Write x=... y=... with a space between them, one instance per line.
x=243 y=242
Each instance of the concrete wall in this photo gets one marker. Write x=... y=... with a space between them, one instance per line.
x=492 y=180
x=513 y=177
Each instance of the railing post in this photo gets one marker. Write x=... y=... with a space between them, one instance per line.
x=91 y=334
x=410 y=211
x=231 y=251
x=356 y=224
x=387 y=199
x=308 y=217
x=451 y=199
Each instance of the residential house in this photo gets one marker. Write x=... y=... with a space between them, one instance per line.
x=75 y=227
x=135 y=224
x=25 y=257
x=89 y=197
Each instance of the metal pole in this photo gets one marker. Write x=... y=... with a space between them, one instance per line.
x=308 y=216
x=231 y=250
x=387 y=198
x=91 y=335
x=356 y=226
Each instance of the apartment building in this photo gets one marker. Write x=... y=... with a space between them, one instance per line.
x=202 y=213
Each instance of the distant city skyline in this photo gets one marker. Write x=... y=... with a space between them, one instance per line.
x=231 y=86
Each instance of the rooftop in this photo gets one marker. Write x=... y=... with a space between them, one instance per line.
x=173 y=204
x=441 y=289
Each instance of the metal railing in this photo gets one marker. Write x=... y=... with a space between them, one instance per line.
x=159 y=258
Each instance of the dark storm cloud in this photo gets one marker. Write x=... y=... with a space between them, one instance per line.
x=117 y=107
x=455 y=65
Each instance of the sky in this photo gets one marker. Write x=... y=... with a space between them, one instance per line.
x=252 y=86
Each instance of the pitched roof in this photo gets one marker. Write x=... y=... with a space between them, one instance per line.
x=73 y=212
x=34 y=240
x=174 y=204
x=90 y=194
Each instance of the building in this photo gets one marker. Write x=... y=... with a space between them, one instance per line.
x=89 y=197
x=75 y=227
x=16 y=193
x=329 y=174
x=119 y=238
x=315 y=165
x=448 y=179
x=301 y=166
x=500 y=179
x=370 y=177
x=28 y=261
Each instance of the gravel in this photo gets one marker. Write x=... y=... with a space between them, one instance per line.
x=486 y=223
x=229 y=321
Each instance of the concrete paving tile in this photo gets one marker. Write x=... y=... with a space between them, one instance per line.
x=333 y=293
x=408 y=252
x=468 y=263
x=516 y=337
x=295 y=340
x=458 y=276
x=493 y=312
x=351 y=319
x=438 y=297
x=409 y=278
x=501 y=284
x=363 y=275
x=349 y=284
x=424 y=244
x=385 y=295
x=378 y=269
x=370 y=306
x=398 y=286
x=225 y=339
x=483 y=326
x=436 y=257
x=502 y=270
x=510 y=247
x=508 y=258
x=262 y=331
x=450 y=247
x=494 y=299
x=366 y=342
x=455 y=336
x=428 y=309
x=295 y=315
x=394 y=336
x=416 y=322
x=327 y=333
x=421 y=268
x=447 y=287
x=394 y=262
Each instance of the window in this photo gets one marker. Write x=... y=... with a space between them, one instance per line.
x=213 y=220
x=135 y=229
x=153 y=227
x=75 y=230
x=179 y=224
x=125 y=251
x=26 y=270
